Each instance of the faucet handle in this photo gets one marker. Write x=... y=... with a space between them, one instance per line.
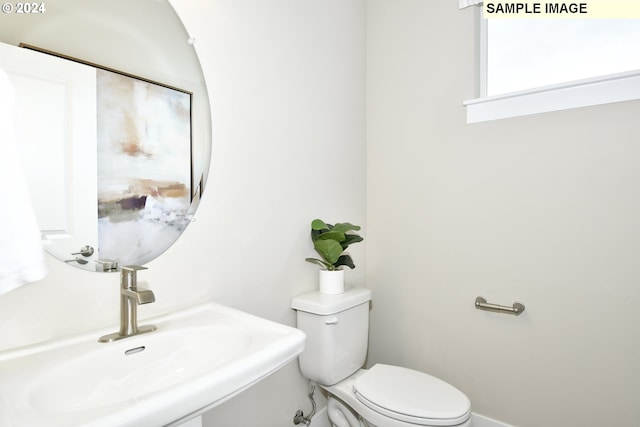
x=131 y=270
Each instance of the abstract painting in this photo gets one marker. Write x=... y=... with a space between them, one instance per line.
x=144 y=166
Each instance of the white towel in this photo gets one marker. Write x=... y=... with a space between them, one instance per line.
x=21 y=254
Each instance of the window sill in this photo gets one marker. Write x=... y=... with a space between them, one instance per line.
x=581 y=93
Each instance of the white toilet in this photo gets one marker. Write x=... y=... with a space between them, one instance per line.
x=337 y=329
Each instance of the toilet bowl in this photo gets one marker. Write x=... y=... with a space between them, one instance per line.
x=336 y=327
x=392 y=396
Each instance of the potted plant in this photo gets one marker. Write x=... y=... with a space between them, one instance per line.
x=331 y=241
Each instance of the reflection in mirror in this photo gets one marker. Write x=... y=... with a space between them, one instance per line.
x=62 y=155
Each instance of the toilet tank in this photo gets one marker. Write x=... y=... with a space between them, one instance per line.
x=337 y=330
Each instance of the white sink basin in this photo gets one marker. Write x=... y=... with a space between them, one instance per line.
x=195 y=360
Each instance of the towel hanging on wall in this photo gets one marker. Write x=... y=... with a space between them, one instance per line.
x=21 y=253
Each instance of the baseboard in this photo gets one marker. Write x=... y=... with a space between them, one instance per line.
x=478 y=420
x=193 y=422
x=320 y=419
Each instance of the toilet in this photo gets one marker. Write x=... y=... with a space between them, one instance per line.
x=337 y=330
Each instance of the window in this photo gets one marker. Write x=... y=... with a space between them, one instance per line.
x=537 y=65
x=527 y=53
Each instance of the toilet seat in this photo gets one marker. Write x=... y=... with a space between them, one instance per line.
x=411 y=396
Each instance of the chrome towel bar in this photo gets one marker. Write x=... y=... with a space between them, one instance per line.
x=516 y=309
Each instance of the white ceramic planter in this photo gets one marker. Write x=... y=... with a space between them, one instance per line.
x=331 y=282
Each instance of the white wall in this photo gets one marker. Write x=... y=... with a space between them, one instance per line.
x=542 y=209
x=286 y=82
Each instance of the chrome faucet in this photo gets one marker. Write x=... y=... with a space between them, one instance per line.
x=130 y=298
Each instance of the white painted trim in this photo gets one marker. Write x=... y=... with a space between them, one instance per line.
x=580 y=93
x=483 y=47
x=478 y=420
x=193 y=422
x=321 y=419
x=466 y=3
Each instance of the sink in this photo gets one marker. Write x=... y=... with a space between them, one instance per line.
x=195 y=360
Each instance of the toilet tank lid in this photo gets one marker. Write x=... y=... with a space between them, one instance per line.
x=325 y=304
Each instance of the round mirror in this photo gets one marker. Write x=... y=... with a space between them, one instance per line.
x=114 y=125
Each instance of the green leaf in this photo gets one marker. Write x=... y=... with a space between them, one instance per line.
x=331 y=235
x=345 y=260
x=345 y=226
x=329 y=250
x=318 y=224
x=319 y=262
x=319 y=227
x=349 y=239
